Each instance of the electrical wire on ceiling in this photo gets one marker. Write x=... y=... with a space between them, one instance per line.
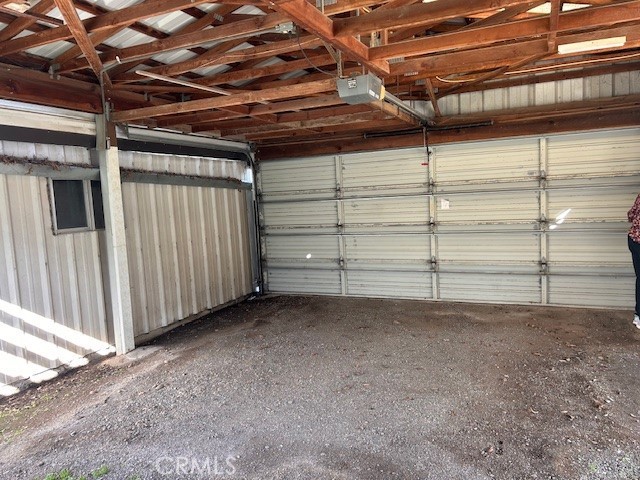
x=305 y=55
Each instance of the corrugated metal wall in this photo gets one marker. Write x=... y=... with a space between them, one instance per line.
x=545 y=93
x=52 y=308
x=188 y=247
x=527 y=220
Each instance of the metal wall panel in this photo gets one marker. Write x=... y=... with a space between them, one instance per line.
x=52 y=307
x=544 y=93
x=188 y=248
x=18 y=114
x=197 y=166
x=54 y=153
x=524 y=220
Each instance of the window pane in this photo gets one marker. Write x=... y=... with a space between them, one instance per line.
x=69 y=200
x=98 y=212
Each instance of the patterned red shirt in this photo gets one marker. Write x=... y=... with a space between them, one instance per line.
x=634 y=217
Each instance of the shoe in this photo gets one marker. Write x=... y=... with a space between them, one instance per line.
x=636 y=321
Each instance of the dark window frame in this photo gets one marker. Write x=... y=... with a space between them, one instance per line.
x=90 y=208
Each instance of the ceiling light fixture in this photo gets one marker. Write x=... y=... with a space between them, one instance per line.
x=590 y=45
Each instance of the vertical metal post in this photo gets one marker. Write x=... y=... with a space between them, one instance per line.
x=342 y=261
x=544 y=217
x=254 y=230
x=433 y=209
x=119 y=302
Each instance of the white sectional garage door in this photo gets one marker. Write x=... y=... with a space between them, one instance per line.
x=527 y=220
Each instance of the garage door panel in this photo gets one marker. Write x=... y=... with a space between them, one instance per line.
x=522 y=220
x=490 y=248
x=304 y=217
x=389 y=284
x=385 y=173
x=499 y=207
x=601 y=204
x=308 y=251
x=388 y=252
x=410 y=214
x=597 y=154
x=301 y=179
x=589 y=248
x=487 y=162
x=482 y=287
x=594 y=290
x=304 y=281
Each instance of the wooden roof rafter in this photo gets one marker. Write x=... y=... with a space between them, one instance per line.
x=272 y=78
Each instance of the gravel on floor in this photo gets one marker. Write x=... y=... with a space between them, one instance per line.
x=347 y=388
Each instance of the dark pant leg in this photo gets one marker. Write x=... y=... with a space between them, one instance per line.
x=635 y=255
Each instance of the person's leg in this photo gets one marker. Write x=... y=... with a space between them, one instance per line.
x=635 y=255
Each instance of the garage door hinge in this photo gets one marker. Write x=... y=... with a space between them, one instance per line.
x=544 y=266
x=434 y=263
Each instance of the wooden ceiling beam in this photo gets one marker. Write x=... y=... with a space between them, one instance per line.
x=311 y=19
x=124 y=16
x=504 y=15
x=274 y=107
x=75 y=25
x=532 y=79
x=302 y=89
x=468 y=61
x=27 y=86
x=284 y=127
x=211 y=57
x=490 y=75
x=394 y=111
x=325 y=134
x=415 y=15
x=497 y=56
x=227 y=31
x=20 y=24
x=96 y=39
x=583 y=19
x=278 y=69
x=202 y=22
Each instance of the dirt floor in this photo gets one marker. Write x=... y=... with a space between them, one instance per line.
x=334 y=388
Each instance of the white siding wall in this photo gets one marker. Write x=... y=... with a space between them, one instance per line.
x=52 y=309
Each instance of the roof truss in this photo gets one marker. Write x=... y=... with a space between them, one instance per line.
x=239 y=69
